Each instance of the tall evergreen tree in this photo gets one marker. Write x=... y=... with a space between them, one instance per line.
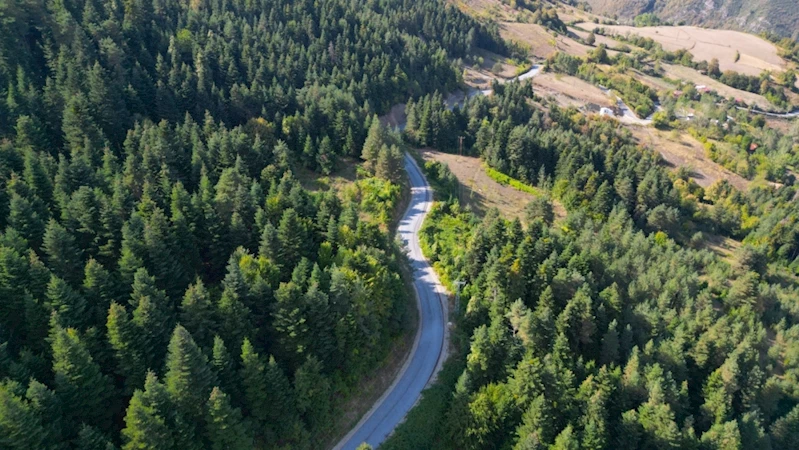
x=197 y=313
x=225 y=427
x=20 y=429
x=79 y=382
x=145 y=426
x=123 y=338
x=188 y=377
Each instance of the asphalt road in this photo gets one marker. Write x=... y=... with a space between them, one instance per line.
x=428 y=348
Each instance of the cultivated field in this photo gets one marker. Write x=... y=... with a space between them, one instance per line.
x=479 y=191
x=685 y=151
x=756 y=54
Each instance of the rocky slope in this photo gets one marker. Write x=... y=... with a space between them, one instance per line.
x=776 y=16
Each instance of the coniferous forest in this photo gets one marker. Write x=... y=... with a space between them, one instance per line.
x=170 y=279
x=166 y=282
x=615 y=326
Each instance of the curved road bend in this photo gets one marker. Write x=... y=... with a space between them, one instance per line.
x=427 y=353
x=428 y=347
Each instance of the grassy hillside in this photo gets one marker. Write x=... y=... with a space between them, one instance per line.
x=776 y=16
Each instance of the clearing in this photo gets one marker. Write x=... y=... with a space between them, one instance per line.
x=479 y=191
x=569 y=90
x=692 y=76
x=685 y=151
x=756 y=54
x=515 y=25
x=344 y=174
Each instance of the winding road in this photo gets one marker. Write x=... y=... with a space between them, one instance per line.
x=428 y=349
x=429 y=346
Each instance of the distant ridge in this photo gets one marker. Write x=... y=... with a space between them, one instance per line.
x=776 y=16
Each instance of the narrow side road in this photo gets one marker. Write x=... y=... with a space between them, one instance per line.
x=428 y=349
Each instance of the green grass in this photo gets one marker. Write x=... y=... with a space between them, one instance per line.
x=501 y=178
x=424 y=424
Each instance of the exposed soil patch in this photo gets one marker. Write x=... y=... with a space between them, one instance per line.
x=492 y=62
x=692 y=76
x=755 y=54
x=685 y=151
x=479 y=191
x=569 y=90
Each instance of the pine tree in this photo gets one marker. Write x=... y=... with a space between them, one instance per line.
x=145 y=427
x=234 y=316
x=49 y=410
x=163 y=261
x=269 y=246
x=188 y=377
x=20 y=429
x=224 y=368
x=37 y=178
x=153 y=319
x=785 y=430
x=90 y=438
x=566 y=440
x=197 y=313
x=253 y=379
x=326 y=156
x=313 y=392
x=536 y=429
x=122 y=336
x=100 y=290
x=225 y=427
x=375 y=139
x=24 y=218
x=292 y=238
x=79 y=382
x=69 y=304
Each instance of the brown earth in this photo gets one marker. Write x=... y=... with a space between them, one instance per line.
x=479 y=191
x=569 y=90
x=692 y=76
x=756 y=54
x=685 y=151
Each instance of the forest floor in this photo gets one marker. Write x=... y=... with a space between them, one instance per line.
x=685 y=151
x=479 y=191
x=723 y=246
x=344 y=175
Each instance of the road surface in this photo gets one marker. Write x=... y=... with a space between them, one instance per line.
x=457 y=98
x=790 y=115
x=428 y=349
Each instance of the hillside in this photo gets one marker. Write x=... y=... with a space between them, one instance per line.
x=775 y=16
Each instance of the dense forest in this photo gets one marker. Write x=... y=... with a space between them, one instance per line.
x=165 y=279
x=613 y=327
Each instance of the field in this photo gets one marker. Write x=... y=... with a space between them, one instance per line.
x=756 y=54
x=685 y=151
x=479 y=191
x=569 y=91
x=692 y=76
x=540 y=41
